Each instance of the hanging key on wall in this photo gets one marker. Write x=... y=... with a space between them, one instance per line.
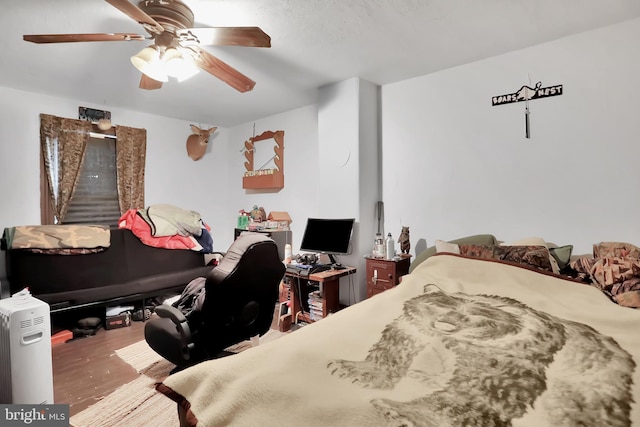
x=527 y=96
x=527 y=131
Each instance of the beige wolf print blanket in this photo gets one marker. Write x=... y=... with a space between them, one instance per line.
x=459 y=342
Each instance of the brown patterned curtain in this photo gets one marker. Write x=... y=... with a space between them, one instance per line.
x=62 y=146
x=131 y=149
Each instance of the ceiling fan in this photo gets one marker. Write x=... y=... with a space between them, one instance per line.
x=177 y=46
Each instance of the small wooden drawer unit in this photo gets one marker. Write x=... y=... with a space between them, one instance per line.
x=383 y=274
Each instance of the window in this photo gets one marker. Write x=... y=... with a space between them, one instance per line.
x=95 y=199
x=89 y=177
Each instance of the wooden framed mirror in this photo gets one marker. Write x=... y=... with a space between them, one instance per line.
x=264 y=163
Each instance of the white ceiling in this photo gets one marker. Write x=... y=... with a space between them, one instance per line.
x=314 y=43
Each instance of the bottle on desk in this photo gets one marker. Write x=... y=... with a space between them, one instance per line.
x=378 y=246
x=390 y=248
x=287 y=253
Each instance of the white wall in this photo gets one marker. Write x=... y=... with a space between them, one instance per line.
x=349 y=152
x=299 y=197
x=453 y=165
x=338 y=123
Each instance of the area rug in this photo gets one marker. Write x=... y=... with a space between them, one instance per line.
x=137 y=403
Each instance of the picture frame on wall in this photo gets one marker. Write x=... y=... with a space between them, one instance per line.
x=92 y=115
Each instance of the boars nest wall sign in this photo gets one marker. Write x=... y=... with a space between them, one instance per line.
x=527 y=93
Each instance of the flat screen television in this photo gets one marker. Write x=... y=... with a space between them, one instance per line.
x=331 y=236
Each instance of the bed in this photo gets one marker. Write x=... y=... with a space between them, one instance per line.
x=461 y=341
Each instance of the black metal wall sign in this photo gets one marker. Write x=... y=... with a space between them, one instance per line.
x=526 y=93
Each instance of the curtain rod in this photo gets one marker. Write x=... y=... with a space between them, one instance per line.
x=101 y=135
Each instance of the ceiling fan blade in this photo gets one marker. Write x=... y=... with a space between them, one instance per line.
x=148 y=83
x=222 y=70
x=68 y=38
x=137 y=14
x=226 y=36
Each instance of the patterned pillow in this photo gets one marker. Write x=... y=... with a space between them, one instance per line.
x=614 y=269
x=538 y=241
x=583 y=264
x=562 y=255
x=621 y=271
x=615 y=250
x=532 y=256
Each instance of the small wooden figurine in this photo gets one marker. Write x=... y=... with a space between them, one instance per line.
x=405 y=244
x=258 y=214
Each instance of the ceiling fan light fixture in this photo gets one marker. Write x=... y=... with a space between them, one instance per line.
x=148 y=61
x=179 y=65
x=170 y=24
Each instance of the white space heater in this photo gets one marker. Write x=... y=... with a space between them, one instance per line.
x=26 y=372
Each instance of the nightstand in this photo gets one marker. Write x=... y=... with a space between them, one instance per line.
x=383 y=274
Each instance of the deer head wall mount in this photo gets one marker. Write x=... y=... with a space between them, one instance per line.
x=197 y=141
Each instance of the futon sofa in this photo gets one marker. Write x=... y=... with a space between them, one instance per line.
x=127 y=270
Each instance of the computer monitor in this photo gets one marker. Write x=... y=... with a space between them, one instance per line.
x=331 y=236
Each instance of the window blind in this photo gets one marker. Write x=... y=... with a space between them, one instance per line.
x=95 y=200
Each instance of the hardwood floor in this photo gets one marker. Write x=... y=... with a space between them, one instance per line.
x=87 y=369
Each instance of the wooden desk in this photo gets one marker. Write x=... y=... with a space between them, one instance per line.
x=329 y=282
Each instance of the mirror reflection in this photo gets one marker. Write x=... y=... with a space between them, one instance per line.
x=264 y=154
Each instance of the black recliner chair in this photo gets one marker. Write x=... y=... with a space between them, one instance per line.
x=236 y=301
